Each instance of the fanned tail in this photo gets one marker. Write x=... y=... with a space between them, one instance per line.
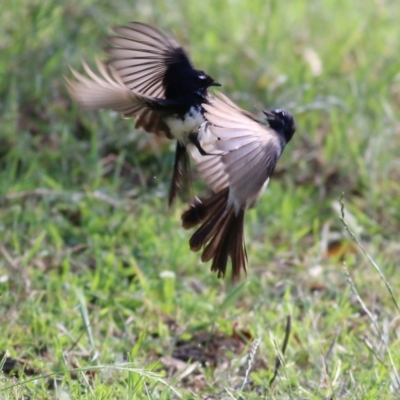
x=221 y=233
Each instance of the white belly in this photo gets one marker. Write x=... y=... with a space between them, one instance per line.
x=181 y=128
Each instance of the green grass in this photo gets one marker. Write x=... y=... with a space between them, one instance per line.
x=100 y=296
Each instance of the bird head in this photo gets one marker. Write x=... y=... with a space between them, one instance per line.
x=281 y=121
x=205 y=81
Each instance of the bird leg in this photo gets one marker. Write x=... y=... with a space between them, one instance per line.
x=194 y=139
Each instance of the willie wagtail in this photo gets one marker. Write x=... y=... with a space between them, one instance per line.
x=150 y=78
x=248 y=153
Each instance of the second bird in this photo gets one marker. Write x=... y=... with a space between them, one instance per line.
x=248 y=153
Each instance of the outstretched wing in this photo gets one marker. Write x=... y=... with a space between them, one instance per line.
x=249 y=152
x=142 y=57
x=107 y=91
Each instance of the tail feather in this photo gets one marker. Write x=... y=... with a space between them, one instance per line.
x=181 y=174
x=202 y=209
x=212 y=247
x=220 y=261
x=237 y=246
x=207 y=230
x=220 y=234
x=194 y=215
x=229 y=241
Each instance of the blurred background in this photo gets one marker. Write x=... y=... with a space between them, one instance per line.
x=86 y=236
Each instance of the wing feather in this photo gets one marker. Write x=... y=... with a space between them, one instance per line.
x=106 y=91
x=250 y=151
x=142 y=55
x=233 y=143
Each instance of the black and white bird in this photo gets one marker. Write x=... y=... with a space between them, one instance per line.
x=150 y=78
x=246 y=153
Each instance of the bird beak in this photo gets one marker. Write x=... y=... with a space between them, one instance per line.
x=216 y=84
x=270 y=115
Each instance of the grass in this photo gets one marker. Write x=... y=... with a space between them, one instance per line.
x=100 y=295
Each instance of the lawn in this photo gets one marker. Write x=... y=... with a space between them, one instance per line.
x=100 y=295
